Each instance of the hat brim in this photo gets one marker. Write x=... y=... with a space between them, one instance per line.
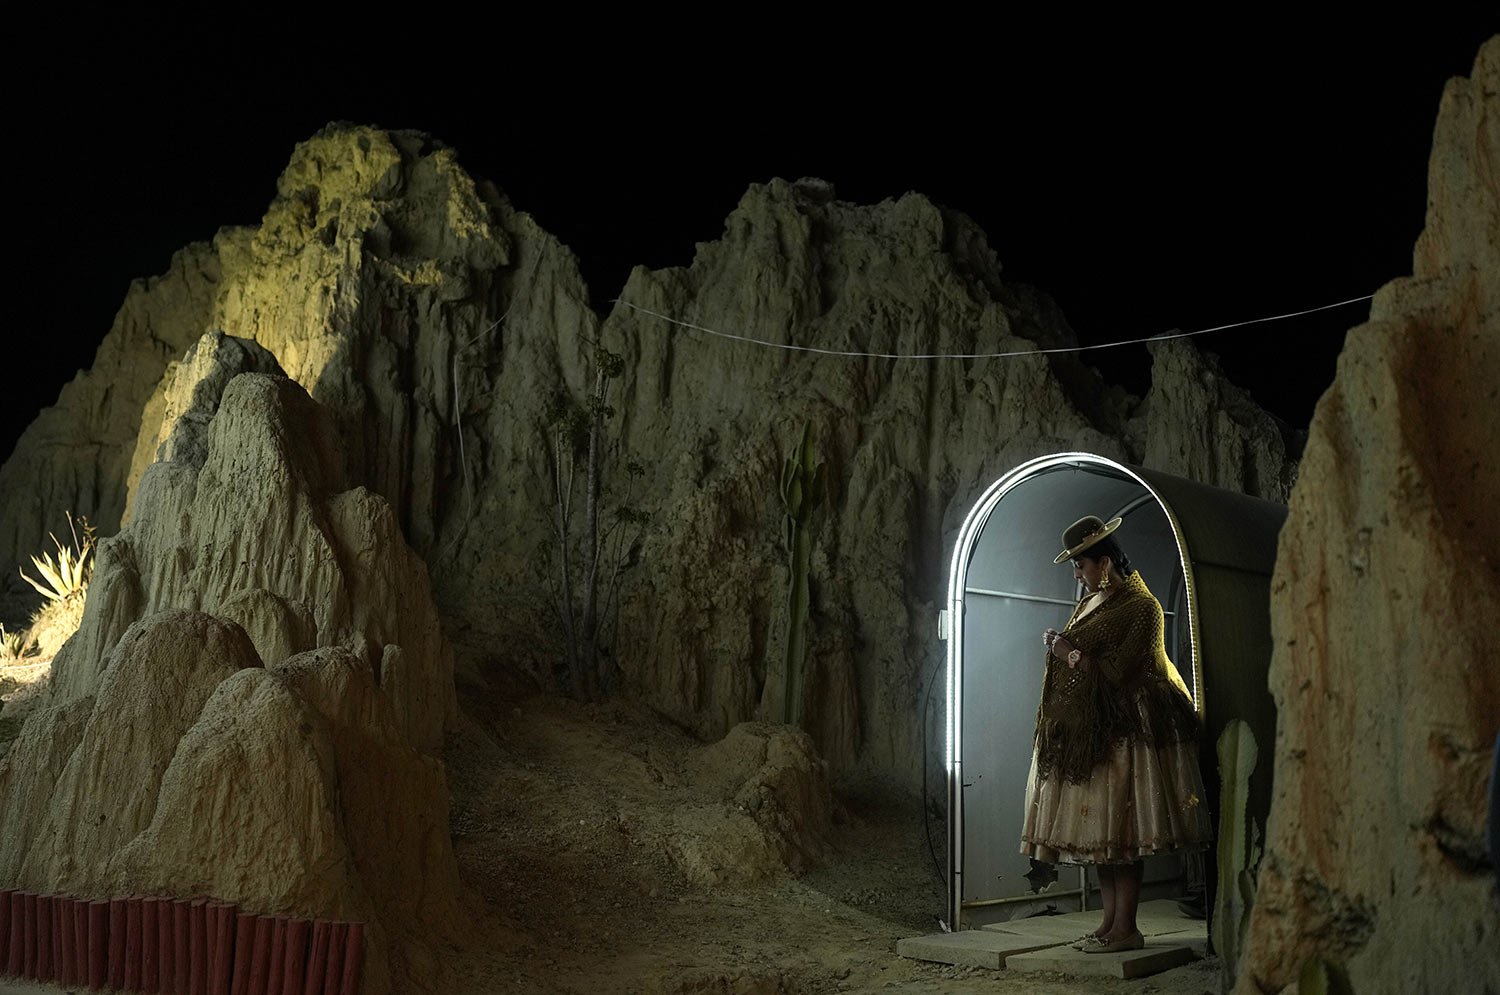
x=1109 y=527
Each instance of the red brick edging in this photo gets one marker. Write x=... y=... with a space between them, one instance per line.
x=175 y=946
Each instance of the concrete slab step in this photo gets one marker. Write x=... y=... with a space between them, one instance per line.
x=972 y=947
x=1043 y=926
x=1063 y=926
x=1158 y=955
x=1172 y=939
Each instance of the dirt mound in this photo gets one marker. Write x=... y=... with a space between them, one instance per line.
x=771 y=806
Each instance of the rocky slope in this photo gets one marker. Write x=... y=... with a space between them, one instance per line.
x=1384 y=604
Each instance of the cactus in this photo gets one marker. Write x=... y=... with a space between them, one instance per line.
x=802 y=486
x=590 y=556
x=1321 y=977
x=1239 y=847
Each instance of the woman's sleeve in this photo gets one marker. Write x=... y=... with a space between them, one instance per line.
x=1123 y=642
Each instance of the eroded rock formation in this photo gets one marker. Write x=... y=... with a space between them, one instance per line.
x=266 y=521
x=1198 y=425
x=435 y=322
x=252 y=705
x=186 y=400
x=1384 y=607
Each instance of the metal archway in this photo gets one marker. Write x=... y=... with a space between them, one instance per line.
x=1206 y=553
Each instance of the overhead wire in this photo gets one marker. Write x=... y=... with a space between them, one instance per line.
x=1008 y=354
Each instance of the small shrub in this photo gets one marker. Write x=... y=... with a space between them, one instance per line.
x=53 y=624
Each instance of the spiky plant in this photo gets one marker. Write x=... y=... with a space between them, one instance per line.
x=13 y=645
x=67 y=574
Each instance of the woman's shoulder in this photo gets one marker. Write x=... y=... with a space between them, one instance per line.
x=1136 y=594
x=1136 y=584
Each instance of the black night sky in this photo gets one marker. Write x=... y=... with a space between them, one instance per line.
x=1146 y=180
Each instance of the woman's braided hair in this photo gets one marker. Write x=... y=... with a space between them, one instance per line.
x=1110 y=548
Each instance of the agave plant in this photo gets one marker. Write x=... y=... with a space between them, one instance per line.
x=68 y=573
x=13 y=645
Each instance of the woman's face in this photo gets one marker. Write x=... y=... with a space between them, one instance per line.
x=1090 y=571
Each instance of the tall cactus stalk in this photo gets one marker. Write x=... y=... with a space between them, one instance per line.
x=1239 y=847
x=587 y=572
x=1322 y=977
x=802 y=486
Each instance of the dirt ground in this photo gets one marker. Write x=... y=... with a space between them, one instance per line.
x=568 y=822
x=582 y=833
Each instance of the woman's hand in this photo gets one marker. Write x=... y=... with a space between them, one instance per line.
x=1061 y=648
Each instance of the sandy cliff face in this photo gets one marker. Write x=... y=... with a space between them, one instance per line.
x=1384 y=608
x=435 y=323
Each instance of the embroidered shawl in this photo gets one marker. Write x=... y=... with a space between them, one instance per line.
x=1129 y=687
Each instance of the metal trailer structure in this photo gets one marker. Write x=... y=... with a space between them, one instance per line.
x=1206 y=553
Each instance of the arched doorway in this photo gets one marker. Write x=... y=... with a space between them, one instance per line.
x=1206 y=553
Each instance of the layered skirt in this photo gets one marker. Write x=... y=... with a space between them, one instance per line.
x=1145 y=798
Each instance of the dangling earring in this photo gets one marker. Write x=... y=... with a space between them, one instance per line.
x=1104 y=583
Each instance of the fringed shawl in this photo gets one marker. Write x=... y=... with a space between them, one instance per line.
x=1128 y=688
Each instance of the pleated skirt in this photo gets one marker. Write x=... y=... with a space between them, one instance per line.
x=1144 y=799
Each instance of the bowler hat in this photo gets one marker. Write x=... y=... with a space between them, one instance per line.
x=1084 y=533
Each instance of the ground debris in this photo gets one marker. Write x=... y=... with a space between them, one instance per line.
x=566 y=827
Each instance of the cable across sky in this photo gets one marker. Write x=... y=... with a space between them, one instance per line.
x=855 y=354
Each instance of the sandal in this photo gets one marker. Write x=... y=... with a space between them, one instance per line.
x=1135 y=941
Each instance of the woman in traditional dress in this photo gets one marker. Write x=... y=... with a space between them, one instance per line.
x=1114 y=772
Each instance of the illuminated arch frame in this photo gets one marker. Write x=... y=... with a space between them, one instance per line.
x=968 y=536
